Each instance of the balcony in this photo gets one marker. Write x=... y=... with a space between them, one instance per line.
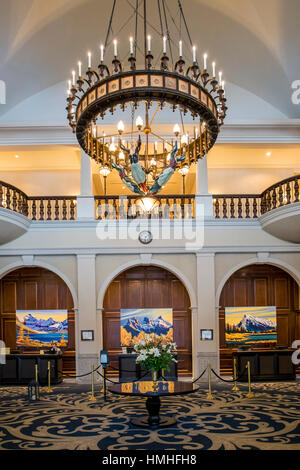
x=277 y=209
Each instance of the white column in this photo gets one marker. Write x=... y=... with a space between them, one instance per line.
x=85 y=202
x=207 y=351
x=87 y=351
x=202 y=194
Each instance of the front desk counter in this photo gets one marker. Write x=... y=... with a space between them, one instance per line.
x=19 y=369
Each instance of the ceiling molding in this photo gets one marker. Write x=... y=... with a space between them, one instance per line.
x=279 y=132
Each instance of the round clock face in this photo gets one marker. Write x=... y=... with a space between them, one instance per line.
x=145 y=237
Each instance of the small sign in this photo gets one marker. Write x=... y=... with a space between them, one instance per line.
x=206 y=335
x=87 y=335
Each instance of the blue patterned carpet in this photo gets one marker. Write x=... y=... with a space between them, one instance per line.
x=65 y=419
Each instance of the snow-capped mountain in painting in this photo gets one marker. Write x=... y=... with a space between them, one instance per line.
x=158 y=326
x=254 y=324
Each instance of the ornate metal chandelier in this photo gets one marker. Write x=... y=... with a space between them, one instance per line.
x=144 y=165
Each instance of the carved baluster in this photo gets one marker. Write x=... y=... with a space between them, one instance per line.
x=288 y=193
x=64 y=210
x=269 y=199
x=247 y=208
x=42 y=209
x=182 y=205
x=34 y=209
x=240 y=208
x=49 y=210
x=14 y=201
x=263 y=205
x=255 y=208
x=217 y=208
x=8 y=199
x=20 y=203
x=274 y=199
x=56 y=209
x=72 y=210
x=232 y=211
x=296 y=190
x=225 y=208
x=280 y=195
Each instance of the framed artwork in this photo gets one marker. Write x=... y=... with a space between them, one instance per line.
x=250 y=325
x=206 y=335
x=38 y=328
x=87 y=335
x=138 y=323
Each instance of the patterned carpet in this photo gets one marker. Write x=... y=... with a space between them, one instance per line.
x=65 y=419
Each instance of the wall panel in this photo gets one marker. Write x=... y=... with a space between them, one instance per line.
x=148 y=287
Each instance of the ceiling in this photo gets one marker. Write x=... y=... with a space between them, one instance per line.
x=256 y=43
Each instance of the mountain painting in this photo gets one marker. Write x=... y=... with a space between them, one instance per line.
x=250 y=325
x=137 y=323
x=40 y=328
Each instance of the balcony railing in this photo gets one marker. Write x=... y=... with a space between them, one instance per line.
x=38 y=207
x=177 y=206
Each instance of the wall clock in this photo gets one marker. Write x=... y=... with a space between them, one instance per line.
x=145 y=237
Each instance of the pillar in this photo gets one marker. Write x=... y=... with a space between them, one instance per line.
x=202 y=195
x=87 y=351
x=85 y=202
x=207 y=351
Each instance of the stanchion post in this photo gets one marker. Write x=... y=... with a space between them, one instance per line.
x=209 y=394
x=49 y=390
x=104 y=383
x=235 y=388
x=250 y=394
x=92 y=396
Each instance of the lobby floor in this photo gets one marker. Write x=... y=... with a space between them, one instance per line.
x=66 y=419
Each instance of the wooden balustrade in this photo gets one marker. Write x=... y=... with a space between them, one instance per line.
x=38 y=207
x=125 y=207
x=237 y=206
x=13 y=198
x=52 y=208
x=280 y=194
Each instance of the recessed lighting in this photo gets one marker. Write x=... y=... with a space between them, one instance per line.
x=17 y=156
x=268 y=154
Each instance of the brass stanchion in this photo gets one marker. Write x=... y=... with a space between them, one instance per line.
x=235 y=388
x=209 y=394
x=250 y=394
x=36 y=373
x=49 y=390
x=92 y=397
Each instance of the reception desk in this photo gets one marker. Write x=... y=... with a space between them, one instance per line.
x=267 y=366
x=130 y=370
x=20 y=369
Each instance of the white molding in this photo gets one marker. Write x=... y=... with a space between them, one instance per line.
x=286 y=131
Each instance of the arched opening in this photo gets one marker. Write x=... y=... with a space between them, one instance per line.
x=261 y=285
x=35 y=288
x=148 y=287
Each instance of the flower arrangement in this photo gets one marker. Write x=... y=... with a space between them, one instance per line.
x=155 y=352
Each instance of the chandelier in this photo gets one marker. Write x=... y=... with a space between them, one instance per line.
x=145 y=159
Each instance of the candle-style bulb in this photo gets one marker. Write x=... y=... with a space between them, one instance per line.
x=164 y=45
x=89 y=60
x=115 y=48
x=102 y=52
x=131 y=45
x=194 y=54
x=149 y=43
x=220 y=78
x=205 y=61
x=74 y=77
x=79 y=69
x=214 y=69
x=180 y=48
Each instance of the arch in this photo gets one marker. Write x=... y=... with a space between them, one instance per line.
x=153 y=262
x=272 y=261
x=40 y=264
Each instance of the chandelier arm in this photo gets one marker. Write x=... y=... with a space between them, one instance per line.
x=167 y=30
x=161 y=138
x=154 y=115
